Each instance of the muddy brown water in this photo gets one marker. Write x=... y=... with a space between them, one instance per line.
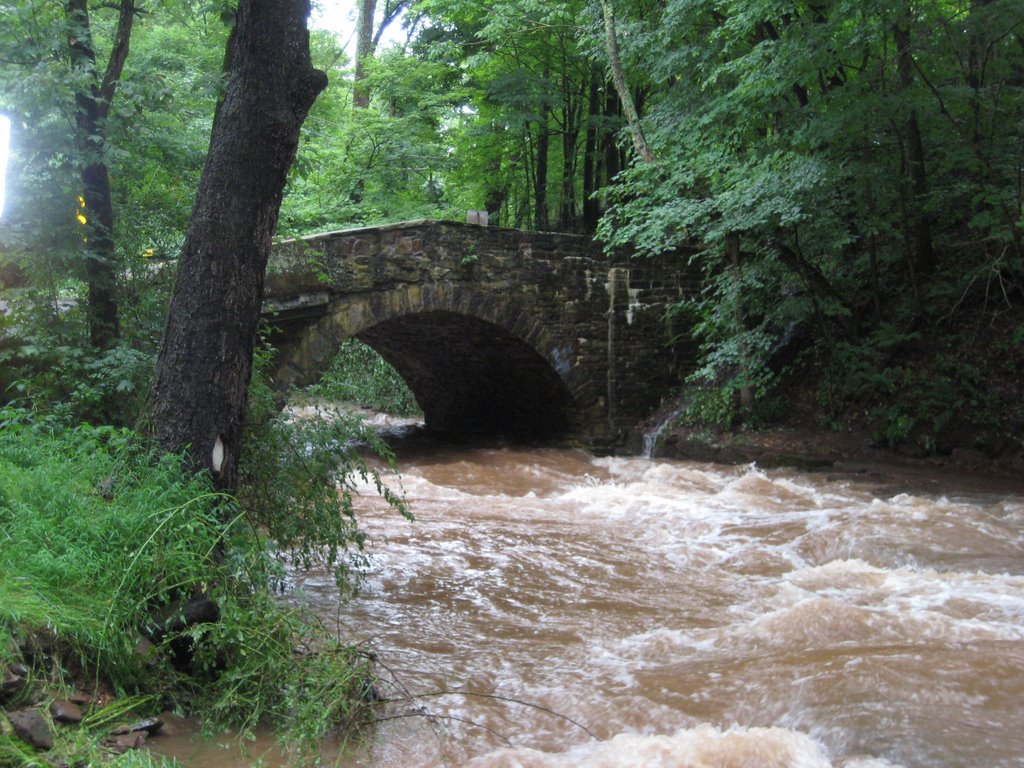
x=684 y=615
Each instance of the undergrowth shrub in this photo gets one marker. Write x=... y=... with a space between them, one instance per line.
x=910 y=390
x=298 y=477
x=95 y=532
x=47 y=363
x=99 y=535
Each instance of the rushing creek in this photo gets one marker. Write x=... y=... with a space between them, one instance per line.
x=686 y=615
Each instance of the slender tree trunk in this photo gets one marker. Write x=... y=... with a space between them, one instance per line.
x=618 y=77
x=365 y=45
x=540 y=193
x=527 y=208
x=199 y=393
x=92 y=105
x=612 y=158
x=924 y=253
x=876 y=283
x=591 y=211
x=100 y=266
x=732 y=251
x=570 y=139
x=976 y=66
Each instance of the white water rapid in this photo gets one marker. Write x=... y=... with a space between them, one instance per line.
x=688 y=615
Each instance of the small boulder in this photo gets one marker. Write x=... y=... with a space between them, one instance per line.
x=126 y=741
x=81 y=699
x=150 y=725
x=65 y=712
x=32 y=728
x=12 y=684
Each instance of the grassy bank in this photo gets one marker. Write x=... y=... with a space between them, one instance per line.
x=102 y=546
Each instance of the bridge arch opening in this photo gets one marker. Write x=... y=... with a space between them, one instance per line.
x=472 y=377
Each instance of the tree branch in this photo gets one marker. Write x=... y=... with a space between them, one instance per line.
x=625 y=96
x=390 y=14
x=118 y=55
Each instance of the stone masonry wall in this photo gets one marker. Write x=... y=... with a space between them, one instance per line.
x=547 y=302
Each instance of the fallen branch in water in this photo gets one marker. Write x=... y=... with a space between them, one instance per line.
x=496 y=697
x=455 y=718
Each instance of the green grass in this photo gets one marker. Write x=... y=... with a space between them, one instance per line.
x=96 y=534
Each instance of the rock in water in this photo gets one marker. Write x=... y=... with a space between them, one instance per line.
x=126 y=741
x=150 y=725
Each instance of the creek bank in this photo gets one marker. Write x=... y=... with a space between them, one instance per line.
x=41 y=709
x=803 y=445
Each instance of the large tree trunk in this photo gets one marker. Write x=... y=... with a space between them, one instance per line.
x=198 y=397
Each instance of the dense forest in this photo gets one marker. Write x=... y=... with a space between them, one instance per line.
x=847 y=176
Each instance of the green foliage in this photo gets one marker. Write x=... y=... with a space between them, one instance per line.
x=357 y=374
x=94 y=535
x=329 y=692
x=386 y=163
x=710 y=408
x=791 y=130
x=79 y=383
x=518 y=138
x=911 y=393
x=49 y=365
x=298 y=478
x=99 y=535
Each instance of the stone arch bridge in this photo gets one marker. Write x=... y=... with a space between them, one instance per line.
x=496 y=331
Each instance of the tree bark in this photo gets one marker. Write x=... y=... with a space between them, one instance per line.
x=92 y=105
x=636 y=131
x=540 y=180
x=570 y=138
x=591 y=211
x=364 y=52
x=612 y=155
x=924 y=252
x=732 y=252
x=198 y=398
